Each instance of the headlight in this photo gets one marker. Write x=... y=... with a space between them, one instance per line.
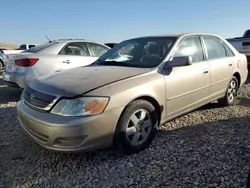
x=81 y=106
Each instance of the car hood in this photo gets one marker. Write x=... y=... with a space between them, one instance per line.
x=80 y=80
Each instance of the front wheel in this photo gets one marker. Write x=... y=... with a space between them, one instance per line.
x=230 y=97
x=136 y=127
x=1 y=65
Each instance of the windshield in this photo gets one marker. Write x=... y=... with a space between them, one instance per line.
x=142 y=52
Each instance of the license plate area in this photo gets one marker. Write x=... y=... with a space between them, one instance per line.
x=10 y=67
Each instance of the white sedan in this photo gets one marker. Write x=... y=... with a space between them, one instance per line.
x=49 y=58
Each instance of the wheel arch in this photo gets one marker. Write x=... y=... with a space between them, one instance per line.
x=238 y=77
x=2 y=63
x=153 y=101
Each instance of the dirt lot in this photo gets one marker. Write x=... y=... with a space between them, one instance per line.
x=8 y=46
x=209 y=147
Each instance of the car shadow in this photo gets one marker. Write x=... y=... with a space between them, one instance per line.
x=8 y=94
x=209 y=106
x=248 y=78
x=244 y=102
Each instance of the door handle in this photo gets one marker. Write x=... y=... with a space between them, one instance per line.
x=230 y=64
x=205 y=71
x=67 y=61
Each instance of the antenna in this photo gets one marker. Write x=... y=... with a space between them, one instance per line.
x=48 y=38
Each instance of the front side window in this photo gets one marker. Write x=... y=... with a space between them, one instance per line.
x=75 y=48
x=141 y=52
x=215 y=49
x=190 y=46
x=97 y=50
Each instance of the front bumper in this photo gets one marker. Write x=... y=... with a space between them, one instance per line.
x=15 y=79
x=68 y=134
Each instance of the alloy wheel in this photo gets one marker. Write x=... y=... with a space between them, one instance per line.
x=232 y=90
x=139 y=127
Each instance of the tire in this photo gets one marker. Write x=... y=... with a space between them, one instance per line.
x=132 y=137
x=1 y=65
x=248 y=179
x=231 y=95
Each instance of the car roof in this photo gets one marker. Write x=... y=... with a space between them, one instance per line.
x=176 y=35
x=76 y=40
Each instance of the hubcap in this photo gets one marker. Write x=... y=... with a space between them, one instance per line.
x=139 y=127
x=232 y=90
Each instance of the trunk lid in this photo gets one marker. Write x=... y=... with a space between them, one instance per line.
x=10 y=65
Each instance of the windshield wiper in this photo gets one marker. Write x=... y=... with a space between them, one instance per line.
x=111 y=63
x=115 y=63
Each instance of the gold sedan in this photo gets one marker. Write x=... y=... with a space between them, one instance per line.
x=128 y=92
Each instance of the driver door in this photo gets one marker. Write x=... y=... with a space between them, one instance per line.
x=187 y=87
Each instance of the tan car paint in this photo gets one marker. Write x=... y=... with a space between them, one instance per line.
x=173 y=93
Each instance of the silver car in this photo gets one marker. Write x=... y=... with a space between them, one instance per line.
x=49 y=58
x=128 y=92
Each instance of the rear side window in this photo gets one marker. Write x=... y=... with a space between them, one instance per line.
x=229 y=52
x=40 y=47
x=75 y=48
x=190 y=46
x=215 y=49
x=97 y=50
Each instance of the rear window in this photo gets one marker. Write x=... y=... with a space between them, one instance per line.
x=31 y=46
x=39 y=47
x=247 y=34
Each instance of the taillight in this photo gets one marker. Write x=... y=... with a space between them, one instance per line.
x=26 y=62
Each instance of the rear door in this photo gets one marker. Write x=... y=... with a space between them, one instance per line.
x=75 y=54
x=221 y=64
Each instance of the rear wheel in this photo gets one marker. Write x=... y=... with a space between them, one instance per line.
x=136 y=127
x=230 y=97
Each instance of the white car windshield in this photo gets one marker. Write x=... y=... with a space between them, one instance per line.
x=142 y=52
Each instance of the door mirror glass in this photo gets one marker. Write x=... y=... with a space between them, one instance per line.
x=179 y=62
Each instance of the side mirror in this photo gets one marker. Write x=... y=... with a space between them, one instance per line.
x=179 y=62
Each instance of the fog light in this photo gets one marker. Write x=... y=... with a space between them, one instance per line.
x=70 y=141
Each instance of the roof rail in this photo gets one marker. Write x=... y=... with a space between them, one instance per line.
x=70 y=39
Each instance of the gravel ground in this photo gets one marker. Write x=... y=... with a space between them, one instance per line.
x=209 y=147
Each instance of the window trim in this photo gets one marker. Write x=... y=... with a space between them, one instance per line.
x=186 y=37
x=89 y=48
x=69 y=43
